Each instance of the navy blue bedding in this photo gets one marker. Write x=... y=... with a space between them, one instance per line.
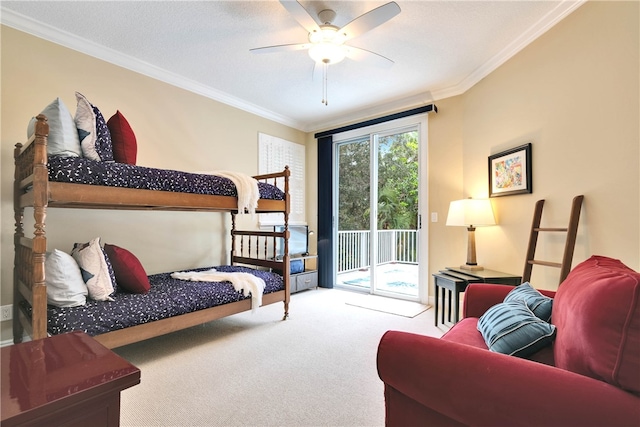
x=81 y=170
x=168 y=297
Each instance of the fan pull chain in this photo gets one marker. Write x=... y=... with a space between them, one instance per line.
x=325 y=69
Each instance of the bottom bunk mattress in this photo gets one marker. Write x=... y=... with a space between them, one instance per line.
x=167 y=297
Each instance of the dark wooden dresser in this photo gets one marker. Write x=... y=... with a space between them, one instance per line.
x=63 y=380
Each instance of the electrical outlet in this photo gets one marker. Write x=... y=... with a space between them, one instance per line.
x=6 y=312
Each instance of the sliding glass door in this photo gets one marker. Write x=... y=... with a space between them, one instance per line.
x=353 y=182
x=377 y=211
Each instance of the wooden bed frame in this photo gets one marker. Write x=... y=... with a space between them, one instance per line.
x=33 y=189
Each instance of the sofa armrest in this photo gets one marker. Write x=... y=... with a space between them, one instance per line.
x=473 y=386
x=479 y=297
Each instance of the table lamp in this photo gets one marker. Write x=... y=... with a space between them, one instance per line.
x=471 y=213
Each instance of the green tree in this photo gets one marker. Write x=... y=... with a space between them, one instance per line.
x=354 y=186
x=397 y=183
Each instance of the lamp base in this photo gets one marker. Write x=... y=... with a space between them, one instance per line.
x=472 y=267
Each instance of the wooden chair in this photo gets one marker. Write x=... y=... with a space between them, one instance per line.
x=571 y=230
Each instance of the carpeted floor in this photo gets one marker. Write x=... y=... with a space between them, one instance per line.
x=316 y=369
x=387 y=305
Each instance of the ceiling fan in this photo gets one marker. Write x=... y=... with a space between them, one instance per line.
x=326 y=43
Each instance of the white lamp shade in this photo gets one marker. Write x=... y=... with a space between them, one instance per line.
x=471 y=212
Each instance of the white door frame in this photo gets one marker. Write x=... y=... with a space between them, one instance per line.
x=421 y=122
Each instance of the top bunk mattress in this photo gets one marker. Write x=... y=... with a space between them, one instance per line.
x=80 y=170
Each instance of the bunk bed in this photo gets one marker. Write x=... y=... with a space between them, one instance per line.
x=38 y=187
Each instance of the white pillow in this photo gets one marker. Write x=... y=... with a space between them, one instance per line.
x=85 y=122
x=95 y=271
x=65 y=286
x=63 y=137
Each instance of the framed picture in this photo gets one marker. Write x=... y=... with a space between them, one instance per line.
x=510 y=172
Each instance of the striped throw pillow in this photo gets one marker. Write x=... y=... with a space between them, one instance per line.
x=512 y=328
x=540 y=304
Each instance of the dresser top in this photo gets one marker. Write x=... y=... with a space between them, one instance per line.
x=43 y=372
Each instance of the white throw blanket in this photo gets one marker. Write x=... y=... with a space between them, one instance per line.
x=247 y=188
x=240 y=281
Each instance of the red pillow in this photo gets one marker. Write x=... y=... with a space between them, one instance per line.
x=125 y=147
x=130 y=274
x=597 y=313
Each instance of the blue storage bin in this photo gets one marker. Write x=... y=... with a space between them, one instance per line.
x=297 y=266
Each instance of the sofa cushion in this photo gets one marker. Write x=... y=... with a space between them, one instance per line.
x=466 y=332
x=512 y=328
x=597 y=313
x=540 y=305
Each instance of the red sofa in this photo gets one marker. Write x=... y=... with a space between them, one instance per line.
x=590 y=376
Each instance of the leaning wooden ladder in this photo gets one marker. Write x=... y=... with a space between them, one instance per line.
x=571 y=230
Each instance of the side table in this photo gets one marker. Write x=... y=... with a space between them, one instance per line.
x=68 y=379
x=455 y=280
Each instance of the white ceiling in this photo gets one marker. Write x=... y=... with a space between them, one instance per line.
x=440 y=49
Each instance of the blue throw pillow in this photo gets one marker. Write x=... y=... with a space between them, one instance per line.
x=511 y=328
x=540 y=304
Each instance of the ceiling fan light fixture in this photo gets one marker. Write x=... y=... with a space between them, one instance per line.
x=327 y=53
x=327 y=33
x=315 y=36
x=327 y=42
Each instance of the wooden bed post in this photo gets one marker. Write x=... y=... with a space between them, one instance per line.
x=233 y=236
x=286 y=271
x=40 y=200
x=18 y=213
x=29 y=284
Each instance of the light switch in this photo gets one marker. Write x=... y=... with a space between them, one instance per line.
x=434 y=216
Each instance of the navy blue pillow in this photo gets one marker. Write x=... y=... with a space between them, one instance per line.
x=104 y=146
x=541 y=305
x=511 y=328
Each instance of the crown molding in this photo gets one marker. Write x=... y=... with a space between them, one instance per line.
x=556 y=15
x=563 y=9
x=63 y=38
x=374 y=110
x=87 y=47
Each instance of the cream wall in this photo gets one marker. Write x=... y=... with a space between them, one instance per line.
x=574 y=94
x=447 y=245
x=175 y=129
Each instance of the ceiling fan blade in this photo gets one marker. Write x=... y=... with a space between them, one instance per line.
x=281 y=48
x=372 y=58
x=301 y=15
x=370 y=20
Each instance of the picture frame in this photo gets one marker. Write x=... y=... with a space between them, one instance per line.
x=510 y=172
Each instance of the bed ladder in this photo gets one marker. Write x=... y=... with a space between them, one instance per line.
x=571 y=230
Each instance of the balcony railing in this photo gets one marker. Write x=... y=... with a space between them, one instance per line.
x=393 y=246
